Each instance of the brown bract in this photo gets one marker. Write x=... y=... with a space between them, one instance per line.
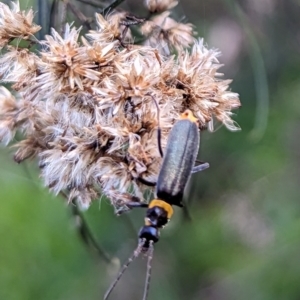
x=87 y=107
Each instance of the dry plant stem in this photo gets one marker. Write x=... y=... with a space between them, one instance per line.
x=53 y=15
x=79 y=15
x=43 y=18
x=95 y=3
x=111 y=7
x=57 y=16
x=88 y=236
x=86 y=233
x=63 y=16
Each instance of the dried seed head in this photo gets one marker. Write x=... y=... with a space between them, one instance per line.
x=64 y=62
x=108 y=30
x=157 y=6
x=166 y=34
x=8 y=109
x=87 y=108
x=208 y=96
x=18 y=66
x=15 y=23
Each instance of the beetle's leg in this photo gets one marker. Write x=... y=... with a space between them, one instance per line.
x=201 y=167
x=136 y=204
x=131 y=203
x=146 y=182
x=159 y=142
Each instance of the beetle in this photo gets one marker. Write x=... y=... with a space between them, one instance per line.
x=177 y=166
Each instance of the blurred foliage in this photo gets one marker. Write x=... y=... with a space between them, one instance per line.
x=244 y=238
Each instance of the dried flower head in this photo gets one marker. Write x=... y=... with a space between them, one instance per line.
x=167 y=34
x=15 y=23
x=108 y=30
x=157 y=6
x=87 y=108
x=8 y=110
x=64 y=63
x=18 y=66
x=208 y=96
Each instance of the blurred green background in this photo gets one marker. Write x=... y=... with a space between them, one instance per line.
x=244 y=238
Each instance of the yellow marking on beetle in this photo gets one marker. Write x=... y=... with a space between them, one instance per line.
x=188 y=115
x=160 y=203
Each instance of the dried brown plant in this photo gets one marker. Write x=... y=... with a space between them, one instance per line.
x=85 y=104
x=15 y=23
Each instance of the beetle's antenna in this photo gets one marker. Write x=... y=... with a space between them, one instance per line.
x=135 y=254
x=158 y=127
x=149 y=267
